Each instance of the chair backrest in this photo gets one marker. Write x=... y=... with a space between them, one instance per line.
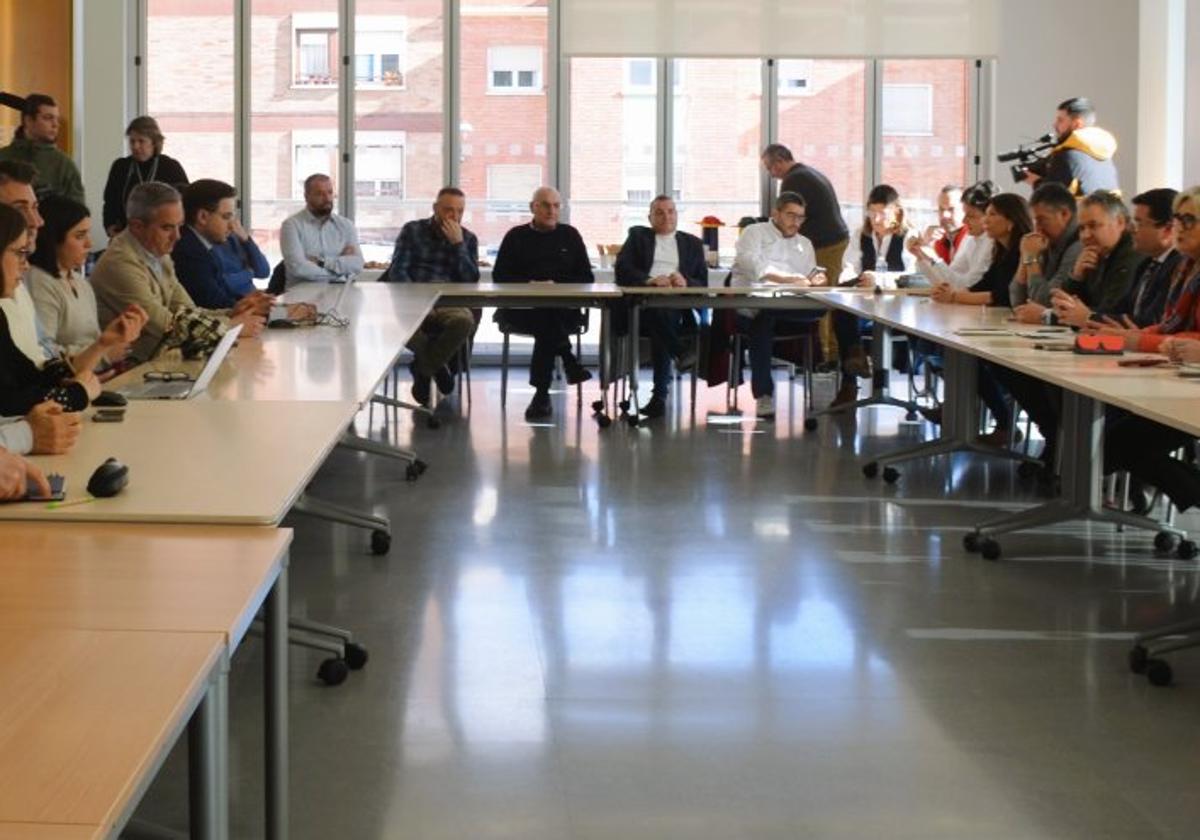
x=278 y=281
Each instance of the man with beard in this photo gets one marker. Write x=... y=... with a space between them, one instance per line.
x=319 y=245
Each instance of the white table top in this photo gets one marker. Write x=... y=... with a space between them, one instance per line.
x=197 y=461
x=1155 y=393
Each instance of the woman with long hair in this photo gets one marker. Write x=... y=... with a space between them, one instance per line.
x=1005 y=221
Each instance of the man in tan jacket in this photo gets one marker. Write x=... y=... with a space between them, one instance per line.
x=137 y=269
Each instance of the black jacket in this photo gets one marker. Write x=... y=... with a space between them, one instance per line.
x=527 y=254
x=1108 y=282
x=123 y=177
x=823 y=222
x=23 y=384
x=999 y=275
x=637 y=257
x=1146 y=299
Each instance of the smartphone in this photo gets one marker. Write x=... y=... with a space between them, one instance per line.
x=1058 y=346
x=58 y=490
x=1149 y=361
x=109 y=415
x=820 y=269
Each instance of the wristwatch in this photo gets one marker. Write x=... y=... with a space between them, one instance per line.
x=1029 y=260
x=320 y=262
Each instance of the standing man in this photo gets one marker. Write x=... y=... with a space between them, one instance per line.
x=823 y=225
x=437 y=250
x=773 y=251
x=661 y=255
x=1083 y=159
x=319 y=245
x=544 y=250
x=34 y=143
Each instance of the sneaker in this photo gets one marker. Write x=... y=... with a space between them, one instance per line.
x=577 y=373
x=539 y=407
x=420 y=386
x=764 y=407
x=654 y=409
x=445 y=380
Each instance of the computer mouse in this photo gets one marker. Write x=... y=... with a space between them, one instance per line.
x=281 y=324
x=109 y=479
x=109 y=399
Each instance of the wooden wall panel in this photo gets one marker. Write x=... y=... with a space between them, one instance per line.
x=35 y=56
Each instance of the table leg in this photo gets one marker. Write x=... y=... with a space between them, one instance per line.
x=275 y=705
x=634 y=341
x=881 y=354
x=208 y=760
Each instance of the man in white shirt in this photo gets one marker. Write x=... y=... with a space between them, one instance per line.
x=772 y=252
x=319 y=245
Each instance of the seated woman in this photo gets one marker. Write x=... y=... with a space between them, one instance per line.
x=876 y=255
x=63 y=298
x=1005 y=221
x=27 y=377
x=974 y=255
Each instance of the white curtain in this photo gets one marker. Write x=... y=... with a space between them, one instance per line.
x=782 y=28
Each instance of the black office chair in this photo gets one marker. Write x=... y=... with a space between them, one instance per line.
x=278 y=282
x=507 y=330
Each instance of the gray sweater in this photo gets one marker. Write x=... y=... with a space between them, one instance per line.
x=1055 y=267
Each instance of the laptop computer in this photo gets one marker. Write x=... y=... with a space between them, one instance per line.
x=182 y=390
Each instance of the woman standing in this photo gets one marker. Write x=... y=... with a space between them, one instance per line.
x=146 y=162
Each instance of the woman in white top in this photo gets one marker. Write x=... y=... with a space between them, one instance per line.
x=974 y=255
x=63 y=298
x=876 y=254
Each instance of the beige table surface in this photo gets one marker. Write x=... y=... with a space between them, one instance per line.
x=197 y=461
x=85 y=715
x=1157 y=394
x=48 y=831
x=182 y=578
x=500 y=291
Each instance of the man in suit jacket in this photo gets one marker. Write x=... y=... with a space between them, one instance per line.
x=660 y=255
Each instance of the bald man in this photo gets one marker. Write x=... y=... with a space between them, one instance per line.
x=544 y=249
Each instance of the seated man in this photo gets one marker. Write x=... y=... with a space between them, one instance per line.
x=17 y=475
x=137 y=269
x=437 y=250
x=241 y=259
x=1146 y=299
x=319 y=245
x=773 y=251
x=660 y=255
x=208 y=210
x=544 y=250
x=1048 y=254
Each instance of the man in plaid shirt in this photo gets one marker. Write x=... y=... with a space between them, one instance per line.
x=437 y=250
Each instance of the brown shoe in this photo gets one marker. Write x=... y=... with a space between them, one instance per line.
x=858 y=363
x=847 y=393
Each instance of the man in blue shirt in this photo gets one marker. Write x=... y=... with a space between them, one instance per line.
x=437 y=250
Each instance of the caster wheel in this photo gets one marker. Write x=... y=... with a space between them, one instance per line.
x=810 y=424
x=356 y=656
x=891 y=475
x=911 y=417
x=1165 y=541
x=990 y=549
x=604 y=421
x=1158 y=672
x=597 y=405
x=870 y=469
x=333 y=672
x=623 y=405
x=433 y=423
x=971 y=542
x=632 y=420
x=421 y=466
x=1138 y=658
x=1027 y=470
x=381 y=542
x=1187 y=550
x=411 y=473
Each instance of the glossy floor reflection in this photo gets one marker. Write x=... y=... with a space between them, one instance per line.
x=716 y=630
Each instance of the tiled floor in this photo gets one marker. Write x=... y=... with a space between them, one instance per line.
x=712 y=630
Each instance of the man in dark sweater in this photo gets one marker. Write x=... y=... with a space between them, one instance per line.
x=544 y=250
x=823 y=225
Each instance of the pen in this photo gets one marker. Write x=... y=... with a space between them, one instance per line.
x=57 y=505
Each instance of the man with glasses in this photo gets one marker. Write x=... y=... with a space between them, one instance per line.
x=1154 y=239
x=773 y=251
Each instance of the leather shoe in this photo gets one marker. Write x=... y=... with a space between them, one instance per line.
x=540 y=407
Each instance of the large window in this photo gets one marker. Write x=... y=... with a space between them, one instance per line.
x=398 y=117
x=717 y=124
x=822 y=119
x=502 y=114
x=614 y=106
x=924 y=112
x=196 y=119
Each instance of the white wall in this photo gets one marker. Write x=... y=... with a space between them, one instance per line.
x=1191 y=150
x=1051 y=50
x=103 y=60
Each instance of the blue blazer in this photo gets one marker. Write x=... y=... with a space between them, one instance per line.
x=637 y=258
x=199 y=270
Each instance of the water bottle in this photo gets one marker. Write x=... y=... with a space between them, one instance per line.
x=881 y=268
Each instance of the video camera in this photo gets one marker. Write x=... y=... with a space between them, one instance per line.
x=1030 y=157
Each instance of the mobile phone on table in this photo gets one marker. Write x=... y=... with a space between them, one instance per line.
x=58 y=490
x=1147 y=361
x=109 y=415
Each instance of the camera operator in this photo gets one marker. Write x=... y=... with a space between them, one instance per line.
x=1083 y=159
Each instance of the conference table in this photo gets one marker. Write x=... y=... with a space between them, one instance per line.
x=970 y=334
x=152 y=580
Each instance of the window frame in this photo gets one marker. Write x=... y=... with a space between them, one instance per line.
x=538 y=88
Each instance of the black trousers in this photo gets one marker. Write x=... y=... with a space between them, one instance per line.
x=1144 y=448
x=1042 y=402
x=551 y=330
x=664 y=328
